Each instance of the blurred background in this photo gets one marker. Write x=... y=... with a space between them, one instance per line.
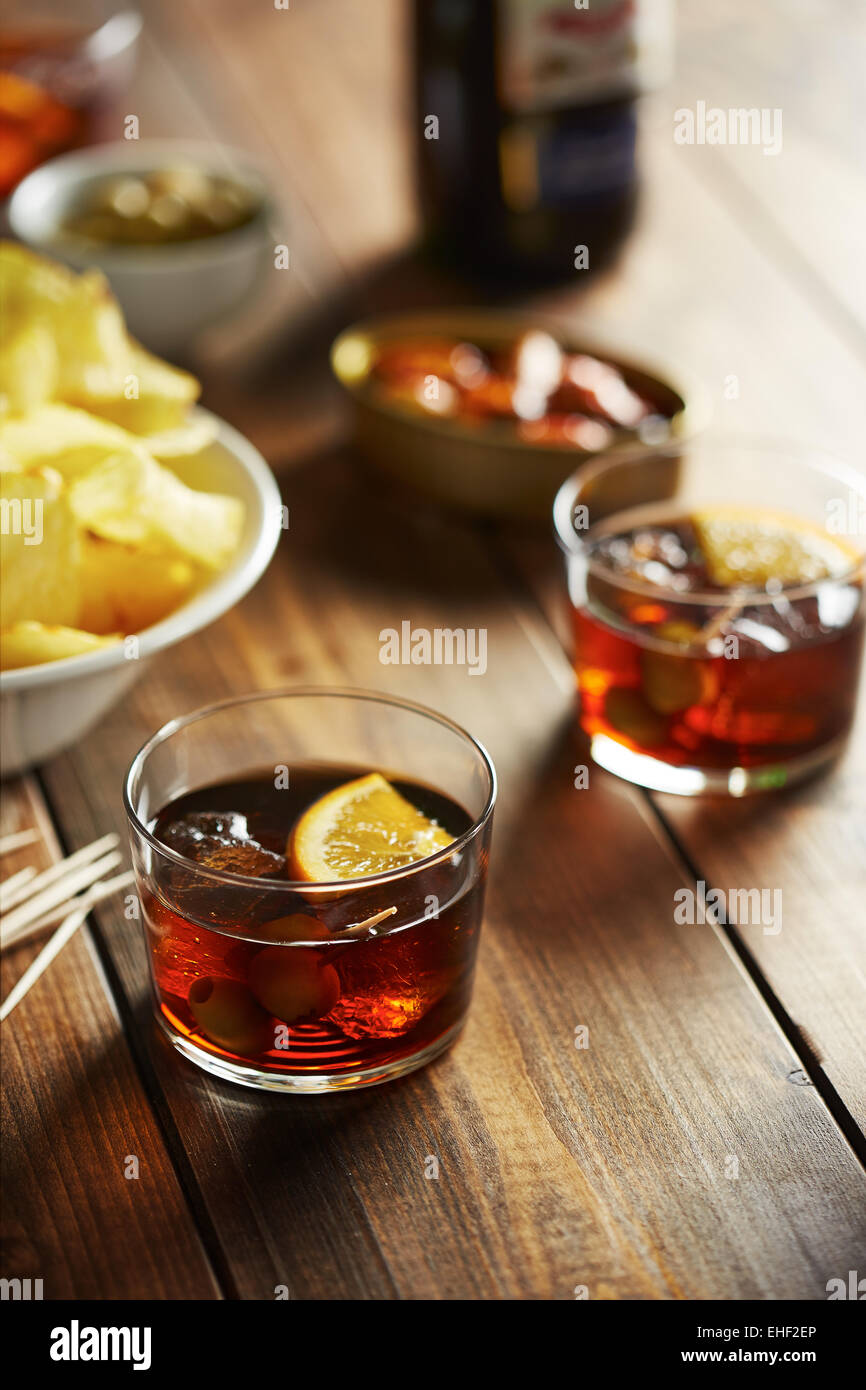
x=556 y=129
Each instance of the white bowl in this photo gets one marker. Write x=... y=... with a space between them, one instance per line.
x=44 y=709
x=168 y=293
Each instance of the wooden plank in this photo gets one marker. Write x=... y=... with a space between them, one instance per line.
x=74 y=1114
x=807 y=201
x=817 y=962
x=321 y=88
x=559 y=1167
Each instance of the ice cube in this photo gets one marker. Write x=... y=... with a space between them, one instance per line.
x=387 y=987
x=659 y=555
x=221 y=840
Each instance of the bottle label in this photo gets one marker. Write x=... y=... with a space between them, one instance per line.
x=554 y=54
x=578 y=158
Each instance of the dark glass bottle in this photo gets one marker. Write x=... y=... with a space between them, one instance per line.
x=526 y=121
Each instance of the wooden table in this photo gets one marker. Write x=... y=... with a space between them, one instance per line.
x=708 y=1143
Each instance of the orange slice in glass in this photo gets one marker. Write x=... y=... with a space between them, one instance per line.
x=360 y=828
x=751 y=547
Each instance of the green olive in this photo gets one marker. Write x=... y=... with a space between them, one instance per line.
x=629 y=714
x=292 y=984
x=670 y=683
x=298 y=926
x=673 y=683
x=227 y=1013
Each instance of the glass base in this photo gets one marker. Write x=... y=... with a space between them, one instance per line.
x=659 y=776
x=309 y=1083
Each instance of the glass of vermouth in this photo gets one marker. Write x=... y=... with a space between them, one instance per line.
x=311 y=867
x=717 y=601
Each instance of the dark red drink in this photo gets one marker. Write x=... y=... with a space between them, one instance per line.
x=62 y=68
x=717 y=596
x=285 y=978
x=721 y=668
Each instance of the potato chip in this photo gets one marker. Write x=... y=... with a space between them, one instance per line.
x=63 y=437
x=30 y=283
x=39 y=550
x=97 y=365
x=73 y=440
x=153 y=396
x=94 y=351
x=182 y=442
x=125 y=590
x=29 y=368
x=33 y=644
x=132 y=499
x=81 y=315
x=118 y=490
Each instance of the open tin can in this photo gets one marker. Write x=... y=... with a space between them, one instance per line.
x=492 y=462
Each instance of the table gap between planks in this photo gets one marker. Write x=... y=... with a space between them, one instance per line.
x=609 y=1167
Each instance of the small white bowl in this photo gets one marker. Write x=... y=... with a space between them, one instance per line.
x=44 y=709
x=168 y=293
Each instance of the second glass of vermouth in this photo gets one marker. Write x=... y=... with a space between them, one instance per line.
x=717 y=599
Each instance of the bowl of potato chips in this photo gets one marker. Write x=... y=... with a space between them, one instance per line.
x=129 y=517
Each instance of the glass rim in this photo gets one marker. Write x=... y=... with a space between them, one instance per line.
x=814 y=459
x=343 y=886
